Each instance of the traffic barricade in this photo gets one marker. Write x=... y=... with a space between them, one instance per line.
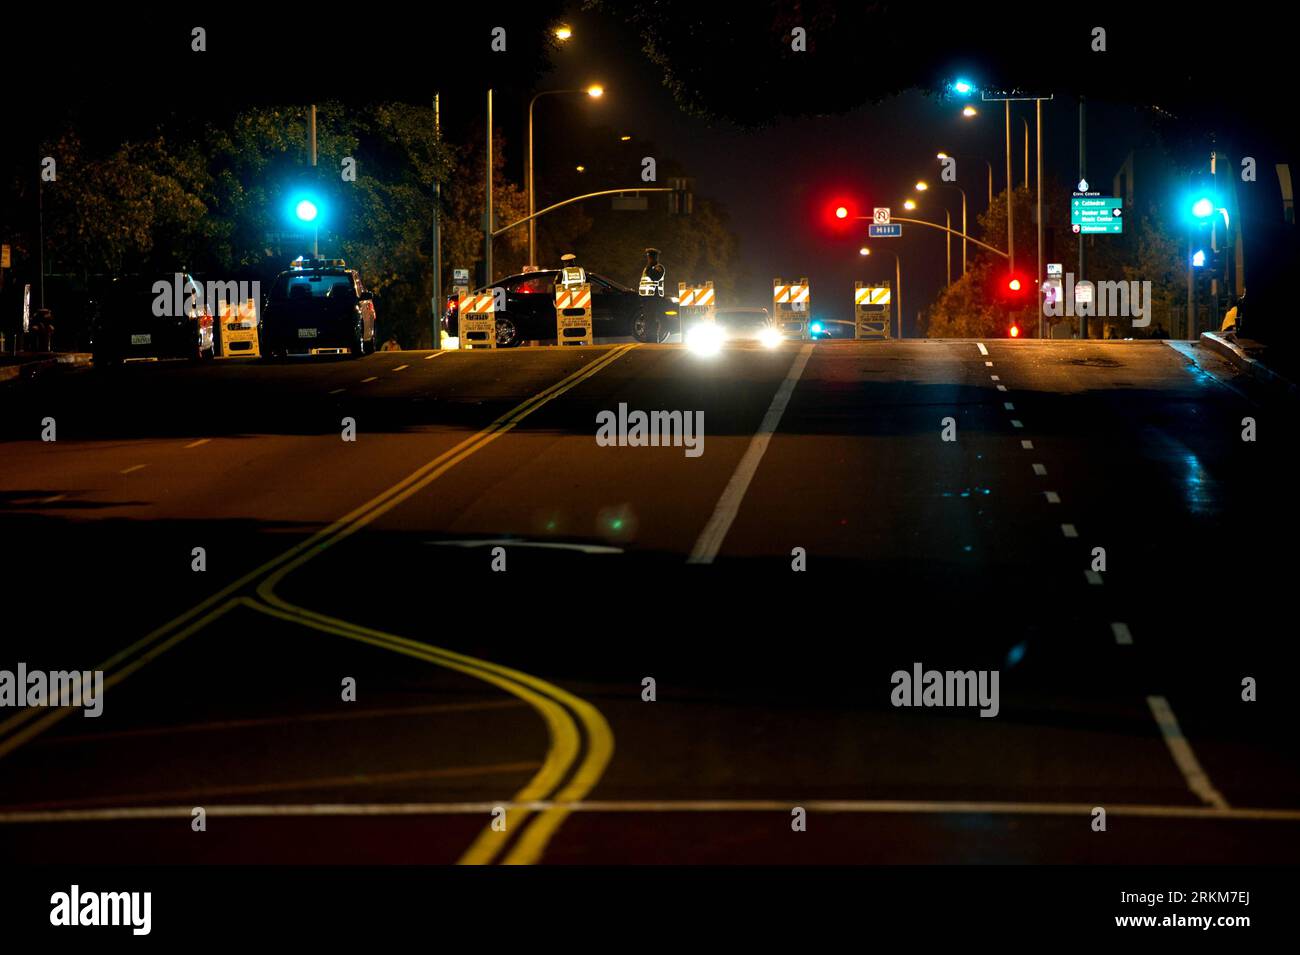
x=238 y=333
x=573 y=325
x=791 y=307
x=477 y=320
x=695 y=303
x=871 y=311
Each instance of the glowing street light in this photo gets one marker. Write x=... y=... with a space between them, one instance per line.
x=595 y=91
x=864 y=251
x=969 y=111
x=909 y=204
x=922 y=186
x=563 y=33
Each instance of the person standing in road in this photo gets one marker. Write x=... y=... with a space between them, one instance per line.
x=652 y=276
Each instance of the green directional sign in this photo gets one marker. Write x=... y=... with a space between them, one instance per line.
x=1091 y=214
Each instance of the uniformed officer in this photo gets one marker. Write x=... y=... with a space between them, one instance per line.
x=652 y=276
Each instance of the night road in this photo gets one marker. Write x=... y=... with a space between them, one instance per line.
x=522 y=688
x=720 y=476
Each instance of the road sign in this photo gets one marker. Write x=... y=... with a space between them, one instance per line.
x=790 y=307
x=1091 y=214
x=880 y=216
x=890 y=231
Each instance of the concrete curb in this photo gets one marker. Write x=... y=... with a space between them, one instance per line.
x=30 y=368
x=1236 y=356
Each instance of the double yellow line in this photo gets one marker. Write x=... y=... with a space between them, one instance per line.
x=557 y=707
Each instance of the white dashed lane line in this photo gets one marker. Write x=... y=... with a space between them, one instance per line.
x=1069 y=530
x=1009 y=406
x=1052 y=497
x=994 y=378
x=1122 y=634
x=980 y=346
x=1094 y=578
x=1002 y=387
x=1016 y=423
x=370 y=379
x=1027 y=444
x=134 y=467
x=1040 y=470
x=401 y=367
x=197 y=444
x=338 y=391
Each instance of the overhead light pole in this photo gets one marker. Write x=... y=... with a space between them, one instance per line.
x=595 y=91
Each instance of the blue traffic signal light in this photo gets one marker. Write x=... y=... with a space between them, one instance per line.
x=1203 y=207
x=306 y=210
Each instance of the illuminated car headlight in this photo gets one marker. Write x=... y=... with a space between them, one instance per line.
x=770 y=338
x=706 y=338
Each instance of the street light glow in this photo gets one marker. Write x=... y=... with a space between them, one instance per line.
x=922 y=186
x=864 y=251
x=940 y=155
x=595 y=91
x=563 y=33
x=969 y=111
x=909 y=204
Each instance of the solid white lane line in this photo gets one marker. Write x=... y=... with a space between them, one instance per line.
x=728 y=506
x=1181 y=750
x=897 y=806
x=994 y=378
x=980 y=346
x=134 y=467
x=1121 y=632
x=1069 y=531
x=401 y=367
x=545 y=545
x=198 y=443
x=1040 y=470
x=1052 y=497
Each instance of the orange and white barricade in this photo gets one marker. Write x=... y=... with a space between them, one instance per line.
x=477 y=320
x=695 y=303
x=573 y=325
x=871 y=311
x=792 y=307
x=238 y=332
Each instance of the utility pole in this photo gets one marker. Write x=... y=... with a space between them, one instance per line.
x=436 y=338
x=487 y=201
x=311 y=146
x=1083 y=174
x=1038 y=131
x=1011 y=191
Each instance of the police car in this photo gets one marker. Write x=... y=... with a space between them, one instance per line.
x=318 y=307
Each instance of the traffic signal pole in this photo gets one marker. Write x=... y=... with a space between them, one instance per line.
x=436 y=337
x=1011 y=191
x=1083 y=174
x=487 y=213
x=1038 y=280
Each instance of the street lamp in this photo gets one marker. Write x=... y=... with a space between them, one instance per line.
x=944 y=185
x=909 y=204
x=563 y=33
x=947 y=236
x=595 y=91
x=984 y=161
x=969 y=111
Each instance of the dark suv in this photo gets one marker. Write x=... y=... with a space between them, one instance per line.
x=529 y=313
x=318 y=307
x=151 y=317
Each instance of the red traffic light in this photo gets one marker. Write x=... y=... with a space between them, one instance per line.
x=841 y=212
x=1014 y=284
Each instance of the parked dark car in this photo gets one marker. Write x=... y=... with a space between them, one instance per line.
x=529 y=314
x=151 y=317
x=318 y=307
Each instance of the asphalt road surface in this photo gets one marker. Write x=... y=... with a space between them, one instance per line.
x=485 y=694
